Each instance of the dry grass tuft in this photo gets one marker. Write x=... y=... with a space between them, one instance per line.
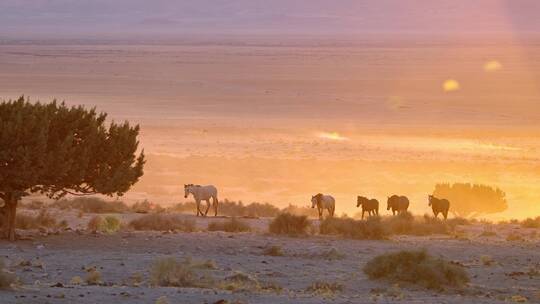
x=93 y=277
x=289 y=224
x=416 y=267
x=405 y=223
x=488 y=233
x=91 y=205
x=487 y=260
x=163 y=222
x=162 y=300
x=168 y=272
x=325 y=288
x=42 y=220
x=515 y=237
x=109 y=224
x=240 y=281
x=273 y=251
x=7 y=279
x=232 y=225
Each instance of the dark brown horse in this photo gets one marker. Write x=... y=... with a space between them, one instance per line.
x=439 y=206
x=369 y=205
x=398 y=204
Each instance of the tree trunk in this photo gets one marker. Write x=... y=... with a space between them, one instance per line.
x=11 y=212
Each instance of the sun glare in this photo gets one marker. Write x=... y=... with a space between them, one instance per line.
x=451 y=85
x=492 y=66
x=332 y=136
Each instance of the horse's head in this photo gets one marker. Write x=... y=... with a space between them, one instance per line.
x=359 y=201
x=388 y=203
x=430 y=198
x=314 y=200
x=187 y=190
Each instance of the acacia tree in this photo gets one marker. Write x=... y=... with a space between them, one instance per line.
x=55 y=150
x=472 y=200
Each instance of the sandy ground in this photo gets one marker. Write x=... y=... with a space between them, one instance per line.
x=59 y=258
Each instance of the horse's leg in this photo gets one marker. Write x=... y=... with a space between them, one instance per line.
x=320 y=213
x=362 y=214
x=198 y=203
x=216 y=202
x=445 y=215
x=207 y=206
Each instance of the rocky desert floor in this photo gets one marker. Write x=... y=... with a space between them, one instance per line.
x=53 y=268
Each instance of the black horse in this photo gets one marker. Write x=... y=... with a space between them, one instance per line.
x=439 y=206
x=369 y=205
x=398 y=204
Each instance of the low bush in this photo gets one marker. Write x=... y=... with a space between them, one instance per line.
x=109 y=224
x=42 y=220
x=273 y=251
x=405 y=223
x=514 y=237
x=232 y=225
x=91 y=205
x=6 y=278
x=371 y=229
x=306 y=211
x=289 y=224
x=168 y=272
x=147 y=207
x=240 y=281
x=231 y=208
x=531 y=223
x=163 y=222
x=93 y=277
x=33 y=205
x=416 y=267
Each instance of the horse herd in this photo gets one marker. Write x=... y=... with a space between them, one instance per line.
x=398 y=204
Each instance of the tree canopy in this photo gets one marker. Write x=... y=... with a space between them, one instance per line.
x=56 y=150
x=471 y=199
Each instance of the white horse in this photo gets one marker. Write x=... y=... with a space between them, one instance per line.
x=202 y=193
x=323 y=202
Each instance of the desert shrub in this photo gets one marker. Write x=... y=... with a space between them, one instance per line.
x=240 y=281
x=230 y=208
x=458 y=221
x=487 y=260
x=487 y=233
x=531 y=223
x=109 y=224
x=6 y=278
x=146 y=207
x=169 y=272
x=289 y=224
x=232 y=225
x=162 y=300
x=372 y=229
x=416 y=267
x=91 y=205
x=405 y=223
x=93 y=277
x=42 y=219
x=514 y=237
x=273 y=251
x=325 y=288
x=163 y=222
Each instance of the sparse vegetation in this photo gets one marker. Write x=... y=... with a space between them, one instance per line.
x=531 y=223
x=91 y=205
x=405 y=223
x=487 y=260
x=6 y=278
x=372 y=229
x=42 y=220
x=289 y=224
x=488 y=233
x=325 y=288
x=163 y=222
x=231 y=225
x=416 y=267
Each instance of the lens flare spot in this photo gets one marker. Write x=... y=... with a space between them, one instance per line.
x=451 y=85
x=332 y=136
x=492 y=66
